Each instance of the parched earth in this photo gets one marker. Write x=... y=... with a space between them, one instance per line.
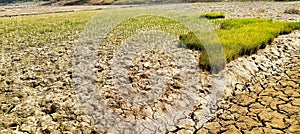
x=264 y=97
x=262 y=93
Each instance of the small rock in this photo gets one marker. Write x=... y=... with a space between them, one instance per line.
x=147 y=64
x=239 y=86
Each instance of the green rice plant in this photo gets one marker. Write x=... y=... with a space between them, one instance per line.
x=144 y=23
x=33 y=30
x=238 y=36
x=191 y=41
x=237 y=23
x=213 y=15
x=242 y=36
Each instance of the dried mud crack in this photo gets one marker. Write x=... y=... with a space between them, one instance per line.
x=262 y=91
x=267 y=101
x=145 y=87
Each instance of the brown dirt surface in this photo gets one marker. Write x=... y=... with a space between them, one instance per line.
x=21 y=10
x=9 y=11
x=263 y=89
x=77 y=2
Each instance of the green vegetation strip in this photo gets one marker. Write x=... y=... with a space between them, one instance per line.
x=238 y=36
x=243 y=36
x=213 y=15
x=34 y=30
x=132 y=26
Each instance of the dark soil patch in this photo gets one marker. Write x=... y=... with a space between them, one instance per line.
x=74 y=2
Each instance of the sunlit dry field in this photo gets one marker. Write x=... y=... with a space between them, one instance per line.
x=38 y=86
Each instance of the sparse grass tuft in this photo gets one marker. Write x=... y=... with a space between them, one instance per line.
x=213 y=15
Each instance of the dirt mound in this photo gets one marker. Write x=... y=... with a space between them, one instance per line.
x=78 y=2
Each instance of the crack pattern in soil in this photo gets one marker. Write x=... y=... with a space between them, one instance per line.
x=266 y=102
x=262 y=93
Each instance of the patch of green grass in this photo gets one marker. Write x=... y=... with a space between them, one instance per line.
x=29 y=31
x=237 y=23
x=242 y=36
x=213 y=15
x=152 y=22
x=238 y=36
x=144 y=23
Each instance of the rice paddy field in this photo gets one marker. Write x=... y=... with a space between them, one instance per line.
x=167 y=68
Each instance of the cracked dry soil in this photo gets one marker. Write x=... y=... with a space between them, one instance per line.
x=262 y=91
x=268 y=101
